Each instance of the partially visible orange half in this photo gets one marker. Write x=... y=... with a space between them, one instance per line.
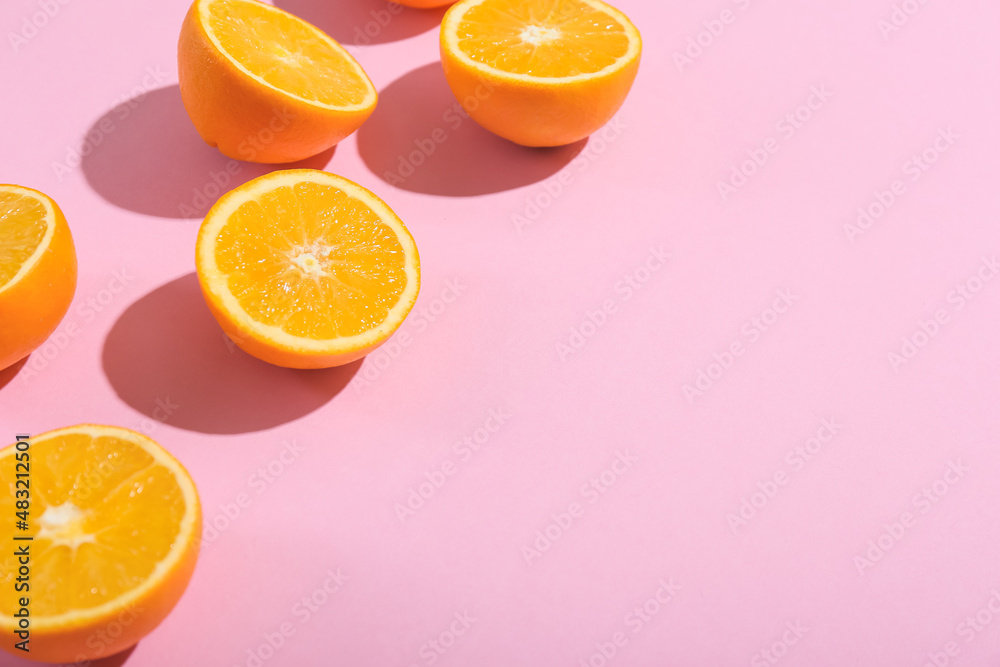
x=37 y=270
x=108 y=542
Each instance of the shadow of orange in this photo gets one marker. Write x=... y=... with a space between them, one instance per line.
x=167 y=357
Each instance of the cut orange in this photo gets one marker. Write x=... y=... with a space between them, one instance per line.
x=114 y=523
x=37 y=270
x=539 y=72
x=306 y=269
x=265 y=86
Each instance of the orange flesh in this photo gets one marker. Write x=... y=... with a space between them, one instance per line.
x=286 y=52
x=22 y=227
x=545 y=38
x=312 y=261
x=91 y=501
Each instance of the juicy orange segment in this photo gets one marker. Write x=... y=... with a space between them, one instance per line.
x=37 y=270
x=551 y=38
x=286 y=53
x=24 y=231
x=326 y=255
x=114 y=520
x=304 y=268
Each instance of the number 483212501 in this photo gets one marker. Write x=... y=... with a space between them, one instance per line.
x=22 y=482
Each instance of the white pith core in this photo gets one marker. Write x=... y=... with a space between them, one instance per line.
x=63 y=525
x=307 y=262
x=536 y=34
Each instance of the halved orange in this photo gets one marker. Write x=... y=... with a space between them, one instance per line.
x=112 y=522
x=265 y=86
x=37 y=270
x=539 y=72
x=306 y=269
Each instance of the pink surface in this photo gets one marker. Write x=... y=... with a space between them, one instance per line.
x=817 y=498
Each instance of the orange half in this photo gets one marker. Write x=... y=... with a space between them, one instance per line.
x=37 y=270
x=539 y=72
x=286 y=53
x=307 y=269
x=263 y=85
x=114 y=521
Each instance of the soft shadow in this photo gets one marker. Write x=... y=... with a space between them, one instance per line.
x=8 y=374
x=167 y=357
x=146 y=156
x=364 y=22
x=420 y=139
x=116 y=660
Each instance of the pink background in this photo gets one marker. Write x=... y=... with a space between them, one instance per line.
x=143 y=347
